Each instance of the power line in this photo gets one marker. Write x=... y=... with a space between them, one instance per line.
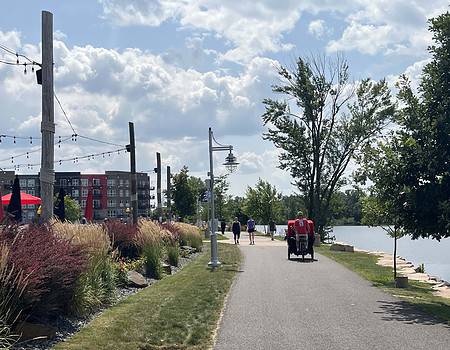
x=100 y=141
x=64 y=112
x=15 y=53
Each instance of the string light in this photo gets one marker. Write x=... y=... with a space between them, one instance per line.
x=73 y=159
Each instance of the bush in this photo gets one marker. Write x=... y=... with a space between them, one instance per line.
x=52 y=266
x=173 y=253
x=122 y=266
x=123 y=238
x=96 y=286
x=12 y=284
x=190 y=235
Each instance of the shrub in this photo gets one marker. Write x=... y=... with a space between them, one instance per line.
x=52 y=266
x=173 y=253
x=122 y=266
x=96 y=286
x=12 y=284
x=123 y=238
x=190 y=235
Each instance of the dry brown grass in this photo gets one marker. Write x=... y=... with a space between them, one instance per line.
x=92 y=237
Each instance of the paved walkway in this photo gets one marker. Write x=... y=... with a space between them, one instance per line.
x=281 y=304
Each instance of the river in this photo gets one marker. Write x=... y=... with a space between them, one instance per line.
x=433 y=254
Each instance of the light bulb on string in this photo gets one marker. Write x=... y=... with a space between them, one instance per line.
x=31 y=140
x=17 y=58
x=14 y=139
x=25 y=70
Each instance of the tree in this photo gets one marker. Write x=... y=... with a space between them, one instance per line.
x=424 y=137
x=235 y=207
x=345 y=207
x=72 y=209
x=221 y=186
x=183 y=196
x=263 y=202
x=325 y=123
x=291 y=204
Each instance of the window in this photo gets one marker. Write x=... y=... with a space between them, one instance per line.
x=121 y=182
x=63 y=182
x=127 y=182
x=31 y=183
x=111 y=203
x=111 y=192
x=127 y=193
x=84 y=182
x=83 y=203
x=31 y=192
x=84 y=192
x=75 y=193
x=96 y=192
x=23 y=182
x=112 y=213
x=97 y=204
x=121 y=203
x=30 y=206
x=111 y=182
x=75 y=182
x=121 y=193
x=96 y=182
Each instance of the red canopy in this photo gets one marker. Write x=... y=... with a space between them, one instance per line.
x=25 y=198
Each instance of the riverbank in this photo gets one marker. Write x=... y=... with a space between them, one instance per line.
x=375 y=267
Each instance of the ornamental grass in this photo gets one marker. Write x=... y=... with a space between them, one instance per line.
x=190 y=235
x=97 y=285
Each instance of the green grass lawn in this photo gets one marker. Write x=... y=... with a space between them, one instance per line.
x=178 y=312
x=418 y=293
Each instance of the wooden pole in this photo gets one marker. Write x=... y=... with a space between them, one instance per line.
x=132 y=150
x=168 y=193
x=47 y=174
x=158 y=183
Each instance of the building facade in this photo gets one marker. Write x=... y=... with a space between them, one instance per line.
x=111 y=191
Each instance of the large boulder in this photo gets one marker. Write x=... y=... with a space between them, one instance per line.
x=135 y=279
x=166 y=268
x=340 y=247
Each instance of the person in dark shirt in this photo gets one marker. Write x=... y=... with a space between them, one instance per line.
x=223 y=225
x=272 y=228
x=236 y=228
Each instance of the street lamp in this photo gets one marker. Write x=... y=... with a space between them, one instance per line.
x=231 y=164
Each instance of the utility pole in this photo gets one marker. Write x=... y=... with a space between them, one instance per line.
x=169 y=194
x=158 y=183
x=132 y=149
x=47 y=173
x=213 y=236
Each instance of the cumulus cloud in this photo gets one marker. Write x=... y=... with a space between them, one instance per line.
x=318 y=28
x=388 y=27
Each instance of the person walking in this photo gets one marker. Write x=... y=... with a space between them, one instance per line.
x=272 y=228
x=251 y=230
x=236 y=228
x=223 y=225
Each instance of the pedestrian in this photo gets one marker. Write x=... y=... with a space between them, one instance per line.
x=251 y=230
x=223 y=225
x=236 y=228
x=272 y=228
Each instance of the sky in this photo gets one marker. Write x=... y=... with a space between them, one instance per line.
x=177 y=67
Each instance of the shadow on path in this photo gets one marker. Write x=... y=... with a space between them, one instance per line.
x=407 y=313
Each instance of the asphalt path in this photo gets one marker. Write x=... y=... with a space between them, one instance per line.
x=280 y=304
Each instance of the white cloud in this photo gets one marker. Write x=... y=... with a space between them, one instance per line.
x=388 y=27
x=318 y=28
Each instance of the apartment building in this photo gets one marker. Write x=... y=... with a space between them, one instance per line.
x=111 y=191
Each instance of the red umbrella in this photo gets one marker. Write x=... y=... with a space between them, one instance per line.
x=25 y=198
x=89 y=210
x=1 y=207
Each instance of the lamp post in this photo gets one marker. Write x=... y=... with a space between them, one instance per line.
x=231 y=165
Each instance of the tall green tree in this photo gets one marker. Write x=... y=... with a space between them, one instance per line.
x=326 y=121
x=424 y=137
x=291 y=205
x=72 y=209
x=263 y=202
x=183 y=195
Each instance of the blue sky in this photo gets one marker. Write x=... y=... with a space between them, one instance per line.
x=176 y=67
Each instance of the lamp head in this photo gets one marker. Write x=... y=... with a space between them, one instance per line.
x=230 y=162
